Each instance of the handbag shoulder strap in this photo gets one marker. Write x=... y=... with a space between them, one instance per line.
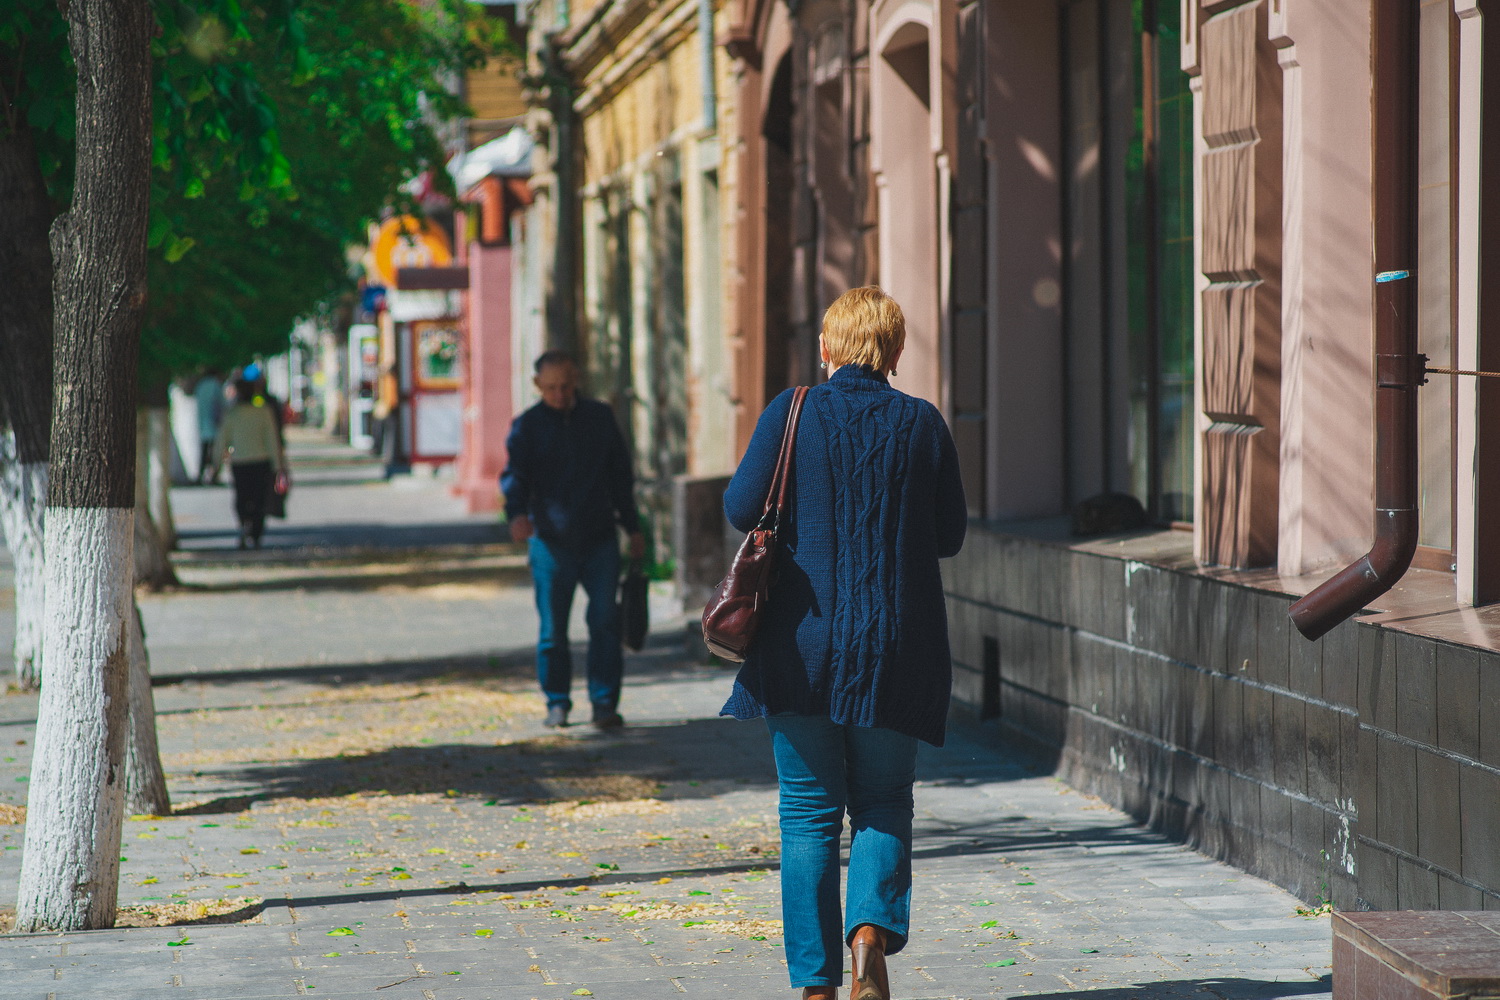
x=776 y=495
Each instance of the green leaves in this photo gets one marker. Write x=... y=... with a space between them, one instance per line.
x=279 y=128
x=178 y=247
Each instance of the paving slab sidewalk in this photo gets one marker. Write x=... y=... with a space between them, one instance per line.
x=360 y=772
x=628 y=865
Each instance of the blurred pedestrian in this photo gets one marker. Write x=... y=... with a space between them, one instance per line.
x=385 y=424
x=208 y=392
x=568 y=483
x=256 y=376
x=248 y=438
x=850 y=667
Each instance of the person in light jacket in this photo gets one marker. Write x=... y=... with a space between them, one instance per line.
x=249 y=439
x=850 y=667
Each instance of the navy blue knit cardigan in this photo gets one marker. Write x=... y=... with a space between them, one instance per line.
x=857 y=629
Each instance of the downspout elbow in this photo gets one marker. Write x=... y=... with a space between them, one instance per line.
x=1363 y=581
x=1399 y=369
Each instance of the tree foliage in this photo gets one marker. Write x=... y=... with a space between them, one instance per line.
x=279 y=129
x=355 y=123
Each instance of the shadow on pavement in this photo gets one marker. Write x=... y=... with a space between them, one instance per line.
x=353 y=582
x=1023 y=833
x=694 y=759
x=529 y=885
x=1227 y=989
x=351 y=534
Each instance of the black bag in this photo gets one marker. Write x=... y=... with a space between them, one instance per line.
x=635 y=611
x=281 y=485
x=732 y=614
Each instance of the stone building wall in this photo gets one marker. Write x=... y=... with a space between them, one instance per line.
x=1363 y=768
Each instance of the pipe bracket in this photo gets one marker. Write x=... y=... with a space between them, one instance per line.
x=1400 y=371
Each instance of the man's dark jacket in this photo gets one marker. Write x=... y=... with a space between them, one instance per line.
x=568 y=470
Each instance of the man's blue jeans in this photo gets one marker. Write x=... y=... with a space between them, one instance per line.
x=557 y=571
x=825 y=768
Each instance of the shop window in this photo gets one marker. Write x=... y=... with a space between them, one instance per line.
x=1159 y=267
x=1128 y=202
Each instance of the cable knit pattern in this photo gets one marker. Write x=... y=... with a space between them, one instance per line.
x=857 y=627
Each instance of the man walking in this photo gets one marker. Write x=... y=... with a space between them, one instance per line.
x=567 y=483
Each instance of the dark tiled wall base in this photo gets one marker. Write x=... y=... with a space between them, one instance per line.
x=1192 y=704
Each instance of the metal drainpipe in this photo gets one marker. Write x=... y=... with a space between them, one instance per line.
x=708 y=83
x=1399 y=369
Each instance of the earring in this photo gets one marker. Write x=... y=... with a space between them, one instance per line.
x=893 y=371
x=823 y=365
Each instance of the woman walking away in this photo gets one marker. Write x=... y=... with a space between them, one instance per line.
x=248 y=437
x=850 y=667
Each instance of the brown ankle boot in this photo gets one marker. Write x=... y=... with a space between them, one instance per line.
x=870 y=979
x=820 y=993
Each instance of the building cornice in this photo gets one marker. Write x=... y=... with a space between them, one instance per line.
x=656 y=35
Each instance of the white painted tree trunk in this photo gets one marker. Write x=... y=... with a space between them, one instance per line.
x=153 y=567
x=145 y=783
x=159 y=434
x=23 y=505
x=70 y=866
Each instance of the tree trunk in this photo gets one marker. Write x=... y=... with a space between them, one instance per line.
x=145 y=782
x=26 y=306
x=70 y=864
x=160 y=484
x=153 y=568
x=23 y=499
x=25 y=381
x=156 y=457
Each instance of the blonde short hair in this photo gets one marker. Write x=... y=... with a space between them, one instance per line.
x=864 y=326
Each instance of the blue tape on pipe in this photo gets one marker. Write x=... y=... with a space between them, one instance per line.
x=1385 y=276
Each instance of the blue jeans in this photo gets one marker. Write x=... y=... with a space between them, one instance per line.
x=825 y=768
x=556 y=573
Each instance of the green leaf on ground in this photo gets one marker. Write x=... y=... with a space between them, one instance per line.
x=1000 y=964
x=1089 y=951
x=484 y=932
x=341 y=932
x=178 y=944
x=990 y=923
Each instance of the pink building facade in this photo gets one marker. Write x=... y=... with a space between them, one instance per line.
x=493 y=176
x=1136 y=244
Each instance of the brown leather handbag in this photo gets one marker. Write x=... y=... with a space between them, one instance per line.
x=733 y=613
